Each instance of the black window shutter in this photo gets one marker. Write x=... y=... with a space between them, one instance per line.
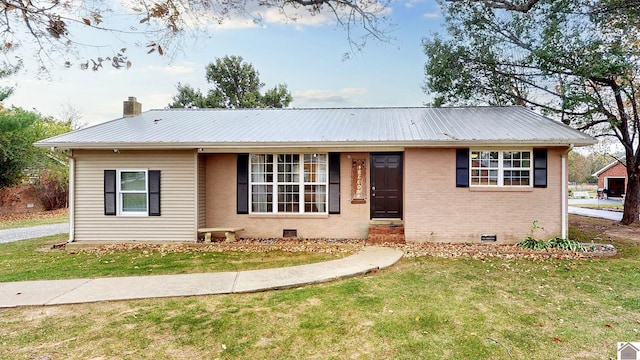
x=540 y=168
x=334 y=183
x=109 y=192
x=242 y=189
x=154 y=192
x=462 y=167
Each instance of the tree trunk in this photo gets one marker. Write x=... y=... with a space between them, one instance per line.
x=632 y=201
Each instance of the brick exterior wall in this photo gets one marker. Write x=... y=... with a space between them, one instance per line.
x=434 y=209
x=352 y=222
x=437 y=211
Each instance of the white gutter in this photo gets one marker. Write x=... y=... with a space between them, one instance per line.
x=346 y=143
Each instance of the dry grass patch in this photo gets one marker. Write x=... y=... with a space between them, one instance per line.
x=34 y=219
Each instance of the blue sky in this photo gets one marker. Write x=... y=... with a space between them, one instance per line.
x=307 y=55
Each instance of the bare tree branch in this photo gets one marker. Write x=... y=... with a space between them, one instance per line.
x=522 y=7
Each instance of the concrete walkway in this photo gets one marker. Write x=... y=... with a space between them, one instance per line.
x=32 y=232
x=58 y=292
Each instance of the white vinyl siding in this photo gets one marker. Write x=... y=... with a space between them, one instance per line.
x=178 y=201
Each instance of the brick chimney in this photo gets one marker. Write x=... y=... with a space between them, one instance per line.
x=131 y=107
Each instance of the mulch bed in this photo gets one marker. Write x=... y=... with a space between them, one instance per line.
x=345 y=246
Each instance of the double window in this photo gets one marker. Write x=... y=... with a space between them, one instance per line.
x=288 y=183
x=501 y=168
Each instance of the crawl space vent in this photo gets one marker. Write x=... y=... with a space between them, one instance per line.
x=290 y=233
x=488 y=237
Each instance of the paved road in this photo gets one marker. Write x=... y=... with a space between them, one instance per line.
x=10 y=235
x=604 y=214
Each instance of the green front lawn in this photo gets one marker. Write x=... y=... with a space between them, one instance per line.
x=35 y=260
x=422 y=308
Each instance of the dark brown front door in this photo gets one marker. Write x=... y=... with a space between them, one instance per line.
x=386 y=185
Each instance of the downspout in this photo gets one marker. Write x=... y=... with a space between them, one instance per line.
x=564 y=201
x=72 y=196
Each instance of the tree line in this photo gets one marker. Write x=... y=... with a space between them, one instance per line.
x=21 y=162
x=577 y=61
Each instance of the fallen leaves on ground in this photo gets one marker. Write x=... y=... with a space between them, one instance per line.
x=333 y=246
x=328 y=246
x=33 y=215
x=483 y=251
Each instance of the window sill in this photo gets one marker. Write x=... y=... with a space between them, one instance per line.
x=289 y=216
x=501 y=189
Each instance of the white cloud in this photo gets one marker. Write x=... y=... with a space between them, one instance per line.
x=253 y=15
x=411 y=3
x=327 y=98
x=318 y=98
x=431 y=15
x=173 y=69
x=295 y=16
x=234 y=23
x=353 y=91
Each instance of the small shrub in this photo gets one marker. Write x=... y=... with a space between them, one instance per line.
x=556 y=243
x=531 y=242
x=52 y=189
x=534 y=244
x=566 y=244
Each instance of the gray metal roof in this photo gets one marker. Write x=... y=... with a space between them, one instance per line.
x=201 y=128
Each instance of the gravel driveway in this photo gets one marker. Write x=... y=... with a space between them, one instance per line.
x=10 y=235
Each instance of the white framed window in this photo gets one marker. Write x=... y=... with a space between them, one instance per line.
x=132 y=188
x=288 y=183
x=501 y=168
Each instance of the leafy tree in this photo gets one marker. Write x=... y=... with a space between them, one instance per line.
x=576 y=60
x=277 y=97
x=6 y=70
x=58 y=29
x=582 y=167
x=578 y=168
x=236 y=84
x=188 y=97
x=16 y=151
x=19 y=129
